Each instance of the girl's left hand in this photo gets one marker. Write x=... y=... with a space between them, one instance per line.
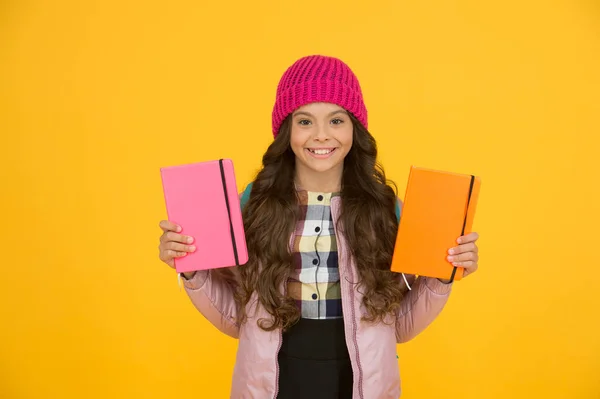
x=465 y=255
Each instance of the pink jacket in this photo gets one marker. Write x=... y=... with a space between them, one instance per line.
x=372 y=347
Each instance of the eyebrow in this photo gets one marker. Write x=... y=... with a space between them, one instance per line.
x=339 y=111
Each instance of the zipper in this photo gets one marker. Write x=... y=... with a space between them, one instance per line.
x=279 y=332
x=354 y=337
x=351 y=298
x=277 y=365
x=280 y=338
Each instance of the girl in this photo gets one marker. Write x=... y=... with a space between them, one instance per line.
x=316 y=309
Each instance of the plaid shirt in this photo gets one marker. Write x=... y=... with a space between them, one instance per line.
x=315 y=279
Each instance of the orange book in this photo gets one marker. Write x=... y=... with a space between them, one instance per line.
x=438 y=208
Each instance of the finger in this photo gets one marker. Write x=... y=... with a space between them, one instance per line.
x=466 y=256
x=470 y=266
x=169 y=254
x=174 y=246
x=471 y=237
x=470 y=247
x=169 y=236
x=166 y=225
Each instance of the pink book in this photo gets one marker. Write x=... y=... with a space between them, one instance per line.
x=203 y=199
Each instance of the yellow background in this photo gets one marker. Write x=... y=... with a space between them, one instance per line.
x=96 y=96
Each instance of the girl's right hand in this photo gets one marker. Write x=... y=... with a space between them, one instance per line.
x=173 y=245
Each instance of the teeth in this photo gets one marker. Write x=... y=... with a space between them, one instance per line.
x=321 y=152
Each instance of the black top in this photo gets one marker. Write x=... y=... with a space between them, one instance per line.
x=314 y=362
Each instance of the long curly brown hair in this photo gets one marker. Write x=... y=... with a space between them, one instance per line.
x=368 y=222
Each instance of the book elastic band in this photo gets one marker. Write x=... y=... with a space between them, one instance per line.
x=464 y=221
x=235 y=252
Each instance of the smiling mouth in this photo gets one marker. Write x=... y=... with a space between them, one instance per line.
x=321 y=151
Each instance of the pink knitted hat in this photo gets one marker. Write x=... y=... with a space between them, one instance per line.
x=318 y=78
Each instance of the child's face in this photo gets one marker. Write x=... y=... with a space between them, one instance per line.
x=321 y=136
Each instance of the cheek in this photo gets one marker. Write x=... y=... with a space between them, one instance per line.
x=346 y=137
x=297 y=141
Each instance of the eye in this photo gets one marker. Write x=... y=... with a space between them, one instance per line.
x=337 y=121
x=304 y=122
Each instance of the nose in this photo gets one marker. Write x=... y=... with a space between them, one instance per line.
x=322 y=133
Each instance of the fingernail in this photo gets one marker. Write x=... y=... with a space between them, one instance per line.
x=451 y=251
x=455 y=263
x=450 y=258
x=459 y=240
x=192 y=248
x=178 y=229
x=190 y=240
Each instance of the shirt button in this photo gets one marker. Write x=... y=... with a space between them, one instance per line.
x=320 y=198
x=317 y=229
x=314 y=296
x=315 y=261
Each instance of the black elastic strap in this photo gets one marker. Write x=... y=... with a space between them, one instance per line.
x=464 y=221
x=235 y=252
